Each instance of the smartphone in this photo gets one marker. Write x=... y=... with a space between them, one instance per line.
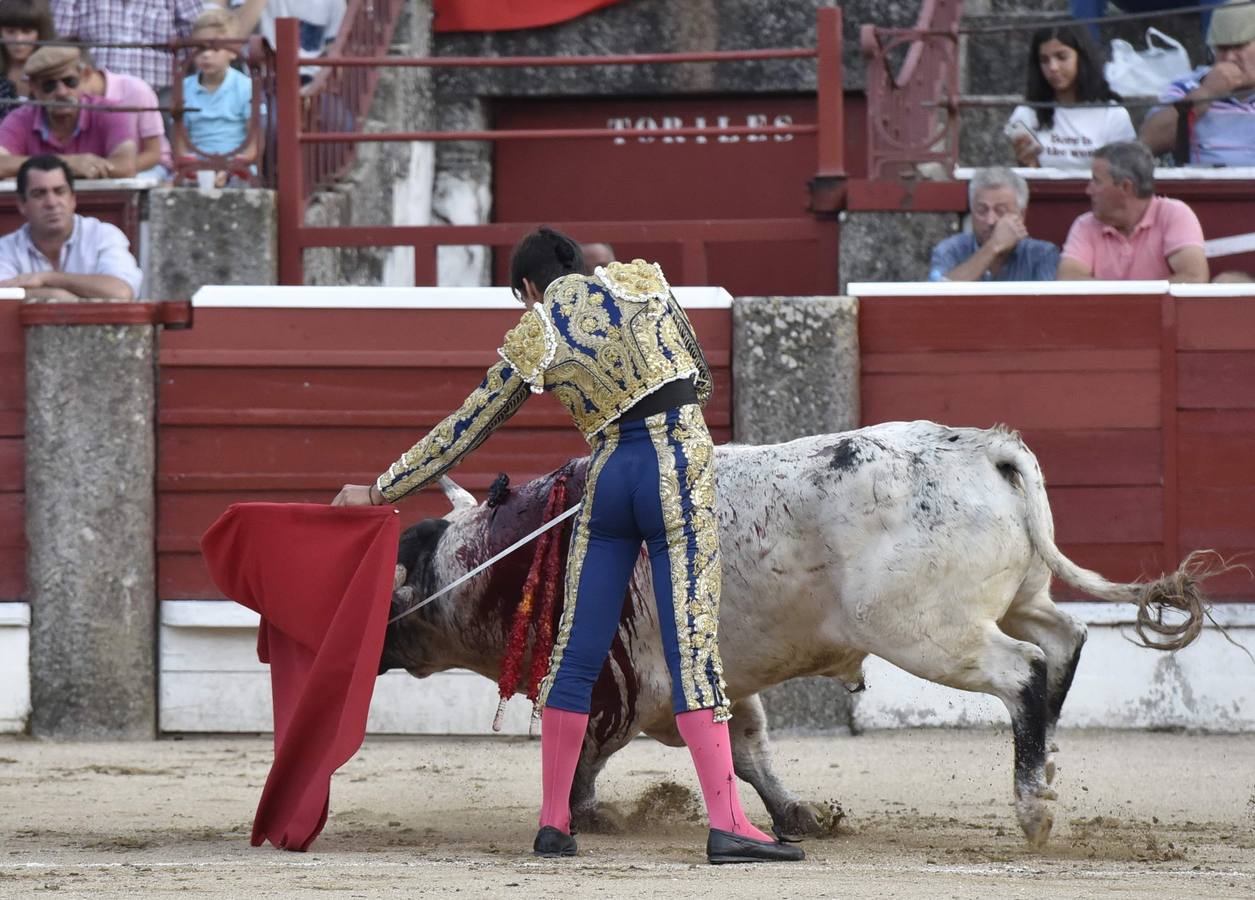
x=1016 y=128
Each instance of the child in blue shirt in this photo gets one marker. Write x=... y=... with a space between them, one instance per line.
x=222 y=95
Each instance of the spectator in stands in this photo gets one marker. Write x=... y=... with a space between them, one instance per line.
x=152 y=156
x=21 y=22
x=1130 y=234
x=596 y=255
x=59 y=254
x=130 y=21
x=998 y=247
x=1234 y=276
x=224 y=96
x=94 y=142
x=1065 y=68
x=1220 y=129
x=320 y=22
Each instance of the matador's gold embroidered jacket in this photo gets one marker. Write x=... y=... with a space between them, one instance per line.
x=600 y=342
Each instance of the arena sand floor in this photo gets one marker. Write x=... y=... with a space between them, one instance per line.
x=926 y=814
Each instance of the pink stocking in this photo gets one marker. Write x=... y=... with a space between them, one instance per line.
x=711 y=749
x=561 y=737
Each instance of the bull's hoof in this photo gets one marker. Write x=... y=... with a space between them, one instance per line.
x=601 y=818
x=1036 y=819
x=802 y=820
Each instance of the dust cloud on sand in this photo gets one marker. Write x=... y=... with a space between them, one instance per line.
x=926 y=814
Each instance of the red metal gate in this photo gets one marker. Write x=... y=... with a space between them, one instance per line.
x=698 y=239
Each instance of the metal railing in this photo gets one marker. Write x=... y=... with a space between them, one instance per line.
x=302 y=136
x=912 y=114
x=338 y=99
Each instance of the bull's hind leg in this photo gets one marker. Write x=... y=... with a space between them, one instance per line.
x=751 y=758
x=1039 y=621
x=987 y=660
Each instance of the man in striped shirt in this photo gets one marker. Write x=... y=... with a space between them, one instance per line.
x=129 y=21
x=1222 y=118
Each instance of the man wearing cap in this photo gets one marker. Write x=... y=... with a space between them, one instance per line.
x=58 y=254
x=1221 y=123
x=94 y=141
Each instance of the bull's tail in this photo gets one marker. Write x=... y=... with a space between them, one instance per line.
x=1179 y=592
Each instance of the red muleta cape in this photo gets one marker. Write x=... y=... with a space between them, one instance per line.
x=321 y=578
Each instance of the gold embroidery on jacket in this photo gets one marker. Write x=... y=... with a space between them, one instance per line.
x=622 y=337
x=530 y=347
x=497 y=398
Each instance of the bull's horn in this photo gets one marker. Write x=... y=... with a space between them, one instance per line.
x=458 y=496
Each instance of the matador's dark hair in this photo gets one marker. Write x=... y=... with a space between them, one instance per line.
x=543 y=256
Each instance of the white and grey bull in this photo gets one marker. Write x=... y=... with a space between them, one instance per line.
x=931 y=547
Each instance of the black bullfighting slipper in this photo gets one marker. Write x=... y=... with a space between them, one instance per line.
x=726 y=847
x=551 y=843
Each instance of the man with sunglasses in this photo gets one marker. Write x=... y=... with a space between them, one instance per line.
x=94 y=141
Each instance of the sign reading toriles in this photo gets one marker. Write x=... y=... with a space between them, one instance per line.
x=666 y=123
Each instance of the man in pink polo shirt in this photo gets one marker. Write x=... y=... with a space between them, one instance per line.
x=93 y=141
x=153 y=153
x=1130 y=234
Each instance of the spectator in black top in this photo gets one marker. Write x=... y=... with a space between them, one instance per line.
x=21 y=22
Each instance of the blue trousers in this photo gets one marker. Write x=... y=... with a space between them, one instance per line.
x=650 y=481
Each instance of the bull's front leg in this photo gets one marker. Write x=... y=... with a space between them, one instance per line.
x=587 y=814
x=751 y=758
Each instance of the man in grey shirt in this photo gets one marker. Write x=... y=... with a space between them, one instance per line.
x=998 y=247
x=58 y=254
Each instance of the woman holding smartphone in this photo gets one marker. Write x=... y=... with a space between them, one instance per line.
x=1065 y=68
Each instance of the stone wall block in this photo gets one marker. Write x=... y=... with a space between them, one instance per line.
x=796 y=367
x=90 y=470
x=219 y=237
x=891 y=246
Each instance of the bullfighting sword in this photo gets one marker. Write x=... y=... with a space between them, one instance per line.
x=556 y=520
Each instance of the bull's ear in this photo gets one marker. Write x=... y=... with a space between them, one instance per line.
x=457 y=495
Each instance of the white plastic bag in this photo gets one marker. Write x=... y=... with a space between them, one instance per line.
x=1145 y=73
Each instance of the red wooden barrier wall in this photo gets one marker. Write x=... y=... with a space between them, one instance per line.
x=12 y=476
x=1134 y=404
x=1216 y=422
x=288 y=404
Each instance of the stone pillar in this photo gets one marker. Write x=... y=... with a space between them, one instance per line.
x=90 y=473
x=795 y=369
x=795 y=372
x=891 y=246
x=218 y=237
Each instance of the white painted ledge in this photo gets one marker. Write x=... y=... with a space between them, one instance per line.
x=1082 y=290
x=217 y=296
x=1209 y=686
x=211 y=681
x=1162 y=173
x=15 y=689
x=90 y=185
